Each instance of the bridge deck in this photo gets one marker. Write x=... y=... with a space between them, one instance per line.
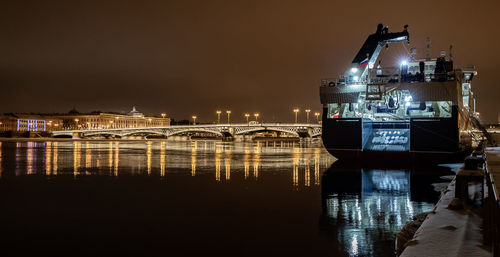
x=232 y=129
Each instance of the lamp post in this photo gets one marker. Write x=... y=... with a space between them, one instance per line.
x=194 y=119
x=317 y=116
x=218 y=116
x=247 y=115
x=228 y=115
x=307 y=115
x=76 y=120
x=256 y=116
x=163 y=115
x=296 y=111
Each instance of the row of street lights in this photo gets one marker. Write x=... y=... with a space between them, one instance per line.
x=297 y=110
x=256 y=115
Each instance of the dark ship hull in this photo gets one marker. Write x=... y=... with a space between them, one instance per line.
x=429 y=139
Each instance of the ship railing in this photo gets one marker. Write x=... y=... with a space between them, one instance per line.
x=329 y=82
x=384 y=75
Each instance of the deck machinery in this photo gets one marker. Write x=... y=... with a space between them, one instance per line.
x=422 y=105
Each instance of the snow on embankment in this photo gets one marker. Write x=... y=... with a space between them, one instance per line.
x=448 y=230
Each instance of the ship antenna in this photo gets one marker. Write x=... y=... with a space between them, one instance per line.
x=428 y=49
x=451 y=56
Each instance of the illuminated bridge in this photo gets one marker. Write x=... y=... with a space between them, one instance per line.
x=236 y=131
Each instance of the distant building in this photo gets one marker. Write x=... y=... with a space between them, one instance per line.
x=134 y=119
x=29 y=123
x=14 y=124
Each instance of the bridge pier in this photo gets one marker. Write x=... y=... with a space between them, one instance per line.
x=76 y=135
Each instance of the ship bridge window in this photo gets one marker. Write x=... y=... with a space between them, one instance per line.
x=344 y=110
x=465 y=94
x=441 y=109
x=333 y=111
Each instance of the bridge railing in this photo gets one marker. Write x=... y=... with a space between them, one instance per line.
x=234 y=125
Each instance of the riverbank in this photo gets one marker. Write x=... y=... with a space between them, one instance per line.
x=455 y=226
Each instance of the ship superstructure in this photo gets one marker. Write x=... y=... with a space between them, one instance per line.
x=421 y=105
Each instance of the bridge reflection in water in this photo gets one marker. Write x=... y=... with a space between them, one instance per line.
x=159 y=157
x=364 y=209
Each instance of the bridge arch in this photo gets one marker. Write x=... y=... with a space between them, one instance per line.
x=145 y=133
x=104 y=133
x=194 y=130
x=265 y=129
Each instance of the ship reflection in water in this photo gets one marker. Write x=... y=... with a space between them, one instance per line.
x=200 y=197
x=366 y=214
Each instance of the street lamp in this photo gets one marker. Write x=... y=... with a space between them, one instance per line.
x=317 y=116
x=163 y=115
x=228 y=115
x=76 y=120
x=194 y=119
x=247 y=115
x=256 y=116
x=296 y=111
x=218 y=116
x=307 y=115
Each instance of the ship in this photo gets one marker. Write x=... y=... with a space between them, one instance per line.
x=416 y=106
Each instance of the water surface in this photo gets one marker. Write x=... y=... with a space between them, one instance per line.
x=166 y=198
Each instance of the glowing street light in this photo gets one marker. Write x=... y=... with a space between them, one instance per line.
x=247 y=115
x=307 y=114
x=296 y=111
x=163 y=115
x=317 y=116
x=228 y=115
x=218 y=116
x=194 y=119
x=256 y=116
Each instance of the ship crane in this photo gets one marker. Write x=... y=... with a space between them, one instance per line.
x=370 y=51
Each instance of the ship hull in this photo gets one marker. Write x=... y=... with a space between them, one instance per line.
x=428 y=139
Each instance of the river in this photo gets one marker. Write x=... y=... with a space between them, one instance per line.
x=166 y=198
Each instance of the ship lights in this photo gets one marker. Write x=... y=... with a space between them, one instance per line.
x=355 y=78
x=354 y=70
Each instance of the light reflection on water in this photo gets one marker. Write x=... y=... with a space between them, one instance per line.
x=158 y=158
x=362 y=210
x=370 y=211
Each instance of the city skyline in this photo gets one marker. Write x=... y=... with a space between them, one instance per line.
x=190 y=58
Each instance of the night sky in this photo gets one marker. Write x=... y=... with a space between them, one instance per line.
x=193 y=57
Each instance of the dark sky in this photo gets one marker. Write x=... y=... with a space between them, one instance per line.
x=193 y=57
